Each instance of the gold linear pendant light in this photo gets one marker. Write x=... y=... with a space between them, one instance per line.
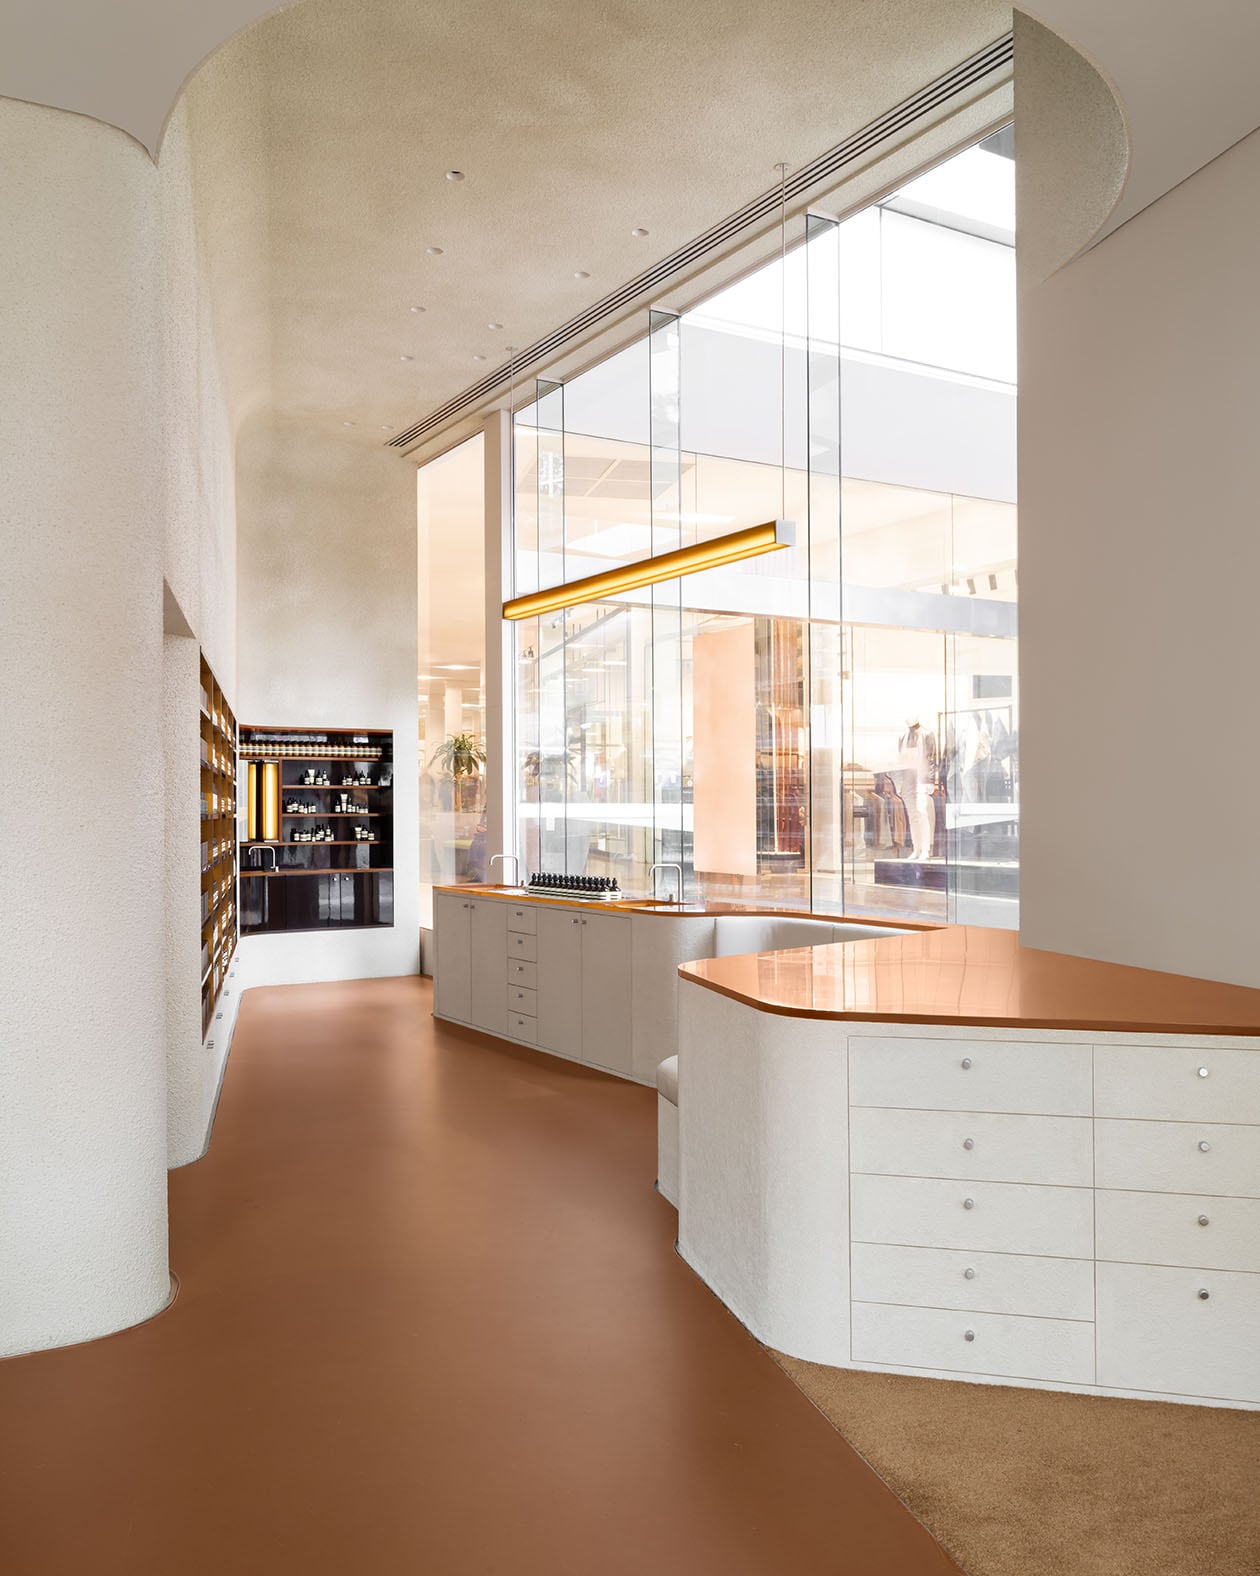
x=713 y=554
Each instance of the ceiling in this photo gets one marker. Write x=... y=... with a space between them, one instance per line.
x=573 y=126
x=321 y=138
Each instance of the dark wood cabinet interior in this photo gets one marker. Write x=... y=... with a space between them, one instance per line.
x=318 y=852
x=218 y=841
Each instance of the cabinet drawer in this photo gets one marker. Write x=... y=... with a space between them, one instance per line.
x=1179 y=1228
x=1167 y=1083
x=1060 y=1350
x=1178 y=1157
x=524 y=920
x=522 y=946
x=985 y=1147
x=1002 y=1217
x=971 y=1075
x=521 y=973
x=521 y=999
x=1156 y=1332
x=523 y=1027
x=984 y=1282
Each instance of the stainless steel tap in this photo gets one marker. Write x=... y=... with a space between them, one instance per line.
x=652 y=879
x=261 y=848
x=516 y=871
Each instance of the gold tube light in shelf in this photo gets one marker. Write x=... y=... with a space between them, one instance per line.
x=713 y=554
x=271 y=801
x=252 y=802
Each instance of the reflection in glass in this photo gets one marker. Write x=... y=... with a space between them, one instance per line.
x=833 y=727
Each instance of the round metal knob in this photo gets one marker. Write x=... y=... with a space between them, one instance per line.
x=1203 y=1072
x=1203 y=1220
x=1204 y=1146
x=969 y=1335
x=969 y=1203
x=1203 y=1294
x=969 y=1143
x=966 y=1062
x=969 y=1273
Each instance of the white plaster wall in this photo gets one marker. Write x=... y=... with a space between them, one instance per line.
x=1139 y=562
x=199 y=564
x=82 y=1084
x=327 y=636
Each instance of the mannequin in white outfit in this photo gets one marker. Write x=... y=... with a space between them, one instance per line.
x=916 y=755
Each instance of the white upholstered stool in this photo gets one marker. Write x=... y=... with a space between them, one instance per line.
x=667 y=1129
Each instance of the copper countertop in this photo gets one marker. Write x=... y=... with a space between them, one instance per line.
x=969 y=976
x=690 y=910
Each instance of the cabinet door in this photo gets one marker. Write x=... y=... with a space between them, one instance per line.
x=488 y=983
x=452 y=969
x=607 y=1037
x=560 y=981
x=1181 y=1331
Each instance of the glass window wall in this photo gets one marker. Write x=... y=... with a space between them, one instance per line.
x=450 y=671
x=833 y=726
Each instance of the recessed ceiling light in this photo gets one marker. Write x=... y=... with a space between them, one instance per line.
x=384 y=428
x=454 y=175
x=638 y=230
x=347 y=424
x=581 y=274
x=406 y=358
x=433 y=251
x=494 y=325
x=417 y=309
x=479 y=358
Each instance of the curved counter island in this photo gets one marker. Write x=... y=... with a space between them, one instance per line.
x=950 y=1155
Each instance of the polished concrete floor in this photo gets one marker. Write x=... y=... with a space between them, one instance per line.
x=430 y=1322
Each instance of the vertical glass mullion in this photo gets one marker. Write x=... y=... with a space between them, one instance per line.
x=553 y=757
x=668 y=669
x=825 y=786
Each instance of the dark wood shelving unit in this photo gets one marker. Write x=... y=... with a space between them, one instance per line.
x=331 y=884
x=219 y=924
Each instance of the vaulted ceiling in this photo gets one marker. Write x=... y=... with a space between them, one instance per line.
x=319 y=141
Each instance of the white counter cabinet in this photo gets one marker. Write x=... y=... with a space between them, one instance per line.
x=1069 y=1209
x=471 y=985
x=594 y=984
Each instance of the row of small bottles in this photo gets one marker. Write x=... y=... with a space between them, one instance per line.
x=557 y=883
x=323 y=833
x=310 y=748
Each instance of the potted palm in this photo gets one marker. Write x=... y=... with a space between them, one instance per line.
x=461 y=757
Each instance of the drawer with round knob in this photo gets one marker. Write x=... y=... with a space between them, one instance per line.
x=522 y=1000
x=522 y=1026
x=1036 y=1077
x=997 y=1217
x=521 y=972
x=1178 y=1157
x=1178 y=1228
x=984 y=1282
x=1171 y=1083
x=522 y=918
x=1006 y=1346
x=983 y=1146
x=522 y=947
x=1179 y=1331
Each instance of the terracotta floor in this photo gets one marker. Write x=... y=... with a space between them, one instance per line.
x=430 y=1323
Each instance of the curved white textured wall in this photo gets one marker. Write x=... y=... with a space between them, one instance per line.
x=82 y=1077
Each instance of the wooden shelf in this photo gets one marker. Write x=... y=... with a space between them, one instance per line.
x=217 y=734
x=361 y=870
x=335 y=842
x=345 y=815
x=340 y=787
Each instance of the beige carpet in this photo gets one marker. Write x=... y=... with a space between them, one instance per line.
x=1035 y=1483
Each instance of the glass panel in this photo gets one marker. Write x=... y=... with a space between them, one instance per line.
x=803 y=728
x=450 y=669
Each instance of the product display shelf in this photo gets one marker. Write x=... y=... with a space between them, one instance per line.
x=349 y=890
x=217 y=728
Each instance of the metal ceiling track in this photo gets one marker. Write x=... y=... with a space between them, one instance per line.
x=821 y=171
